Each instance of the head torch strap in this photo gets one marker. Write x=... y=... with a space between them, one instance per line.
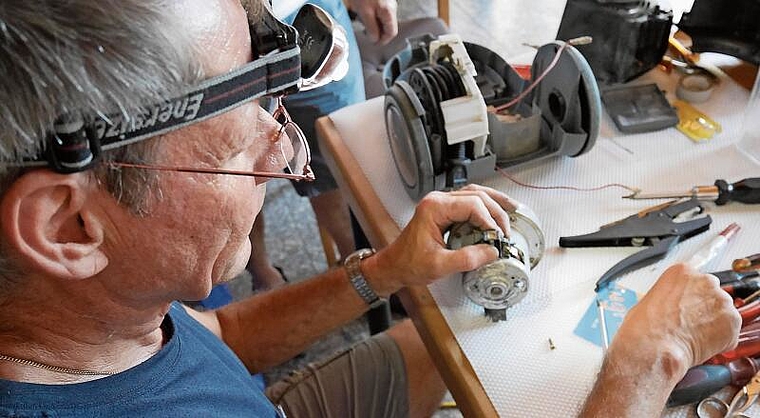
x=278 y=72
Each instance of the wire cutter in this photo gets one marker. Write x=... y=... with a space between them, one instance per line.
x=745 y=397
x=660 y=227
x=739 y=404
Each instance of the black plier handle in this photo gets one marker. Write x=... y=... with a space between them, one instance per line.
x=661 y=228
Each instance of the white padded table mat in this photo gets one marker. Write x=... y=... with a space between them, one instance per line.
x=521 y=374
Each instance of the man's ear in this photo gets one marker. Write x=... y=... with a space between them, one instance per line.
x=47 y=219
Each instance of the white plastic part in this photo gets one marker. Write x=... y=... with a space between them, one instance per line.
x=465 y=118
x=526 y=222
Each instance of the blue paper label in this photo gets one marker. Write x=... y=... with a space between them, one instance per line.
x=616 y=301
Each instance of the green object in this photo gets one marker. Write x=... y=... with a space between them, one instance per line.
x=699 y=383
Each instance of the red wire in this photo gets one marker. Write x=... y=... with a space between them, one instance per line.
x=535 y=82
x=578 y=189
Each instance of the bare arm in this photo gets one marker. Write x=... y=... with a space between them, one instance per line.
x=635 y=381
x=270 y=328
x=684 y=320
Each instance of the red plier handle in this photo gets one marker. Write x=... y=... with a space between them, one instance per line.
x=749 y=312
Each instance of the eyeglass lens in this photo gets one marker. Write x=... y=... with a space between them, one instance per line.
x=292 y=142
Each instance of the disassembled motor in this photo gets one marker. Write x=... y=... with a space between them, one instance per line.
x=501 y=284
x=441 y=131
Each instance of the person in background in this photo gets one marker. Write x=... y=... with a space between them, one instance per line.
x=331 y=211
x=98 y=243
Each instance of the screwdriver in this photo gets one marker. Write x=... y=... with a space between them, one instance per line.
x=741 y=290
x=722 y=192
x=702 y=381
x=733 y=277
x=747 y=264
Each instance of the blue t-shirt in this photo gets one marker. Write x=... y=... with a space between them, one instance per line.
x=194 y=374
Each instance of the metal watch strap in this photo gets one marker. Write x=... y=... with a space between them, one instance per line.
x=352 y=266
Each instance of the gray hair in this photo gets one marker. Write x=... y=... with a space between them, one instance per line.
x=85 y=57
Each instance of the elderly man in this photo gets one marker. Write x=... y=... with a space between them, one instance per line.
x=127 y=130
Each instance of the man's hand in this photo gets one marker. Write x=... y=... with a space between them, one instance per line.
x=687 y=312
x=419 y=255
x=682 y=321
x=378 y=17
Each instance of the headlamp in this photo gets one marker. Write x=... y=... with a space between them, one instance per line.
x=306 y=55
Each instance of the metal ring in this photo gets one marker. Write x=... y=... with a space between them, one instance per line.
x=696 y=87
x=712 y=407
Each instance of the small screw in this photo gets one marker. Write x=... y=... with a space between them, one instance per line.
x=551 y=344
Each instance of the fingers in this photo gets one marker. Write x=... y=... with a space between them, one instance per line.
x=726 y=315
x=380 y=21
x=483 y=207
x=468 y=257
x=496 y=203
x=386 y=17
x=504 y=201
x=367 y=15
x=691 y=307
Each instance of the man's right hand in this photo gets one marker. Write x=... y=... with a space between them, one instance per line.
x=685 y=312
x=684 y=319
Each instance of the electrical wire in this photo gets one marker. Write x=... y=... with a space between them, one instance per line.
x=573 y=188
x=582 y=40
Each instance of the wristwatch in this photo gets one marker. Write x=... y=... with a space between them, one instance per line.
x=353 y=268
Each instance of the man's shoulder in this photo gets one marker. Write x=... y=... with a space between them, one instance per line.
x=193 y=374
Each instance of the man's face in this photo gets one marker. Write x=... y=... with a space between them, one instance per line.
x=196 y=234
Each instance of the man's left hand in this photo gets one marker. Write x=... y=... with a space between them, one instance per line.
x=419 y=255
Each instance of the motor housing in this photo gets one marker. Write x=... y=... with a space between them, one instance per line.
x=441 y=132
x=501 y=284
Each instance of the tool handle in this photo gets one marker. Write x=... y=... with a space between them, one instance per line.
x=748 y=349
x=741 y=290
x=729 y=277
x=749 y=312
x=744 y=191
x=699 y=383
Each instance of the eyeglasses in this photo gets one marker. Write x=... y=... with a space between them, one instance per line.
x=290 y=140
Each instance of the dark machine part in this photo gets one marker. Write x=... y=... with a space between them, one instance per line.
x=630 y=37
x=638 y=108
x=560 y=117
x=414 y=120
x=728 y=27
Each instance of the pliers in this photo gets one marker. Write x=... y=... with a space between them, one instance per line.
x=660 y=227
